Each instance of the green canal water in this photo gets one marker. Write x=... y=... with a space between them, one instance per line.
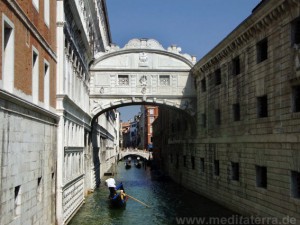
x=169 y=202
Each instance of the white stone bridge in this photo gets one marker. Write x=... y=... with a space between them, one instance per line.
x=142 y=72
x=142 y=153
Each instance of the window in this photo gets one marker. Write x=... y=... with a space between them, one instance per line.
x=8 y=54
x=261 y=176
x=202 y=165
x=123 y=80
x=151 y=119
x=236 y=112
x=17 y=200
x=177 y=161
x=46 y=85
x=218 y=77
x=151 y=111
x=39 y=189
x=296 y=98
x=262 y=106
x=36 y=4
x=216 y=168
x=218 y=116
x=262 y=50
x=171 y=158
x=296 y=32
x=235 y=171
x=236 y=67
x=203 y=120
x=193 y=162
x=203 y=85
x=46 y=12
x=35 y=76
x=184 y=160
x=164 y=80
x=295 y=189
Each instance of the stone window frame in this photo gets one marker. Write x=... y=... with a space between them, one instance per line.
x=236 y=65
x=235 y=171
x=35 y=75
x=124 y=82
x=164 y=80
x=236 y=112
x=203 y=85
x=295 y=184
x=217 y=167
x=8 y=53
x=218 y=77
x=202 y=164
x=193 y=162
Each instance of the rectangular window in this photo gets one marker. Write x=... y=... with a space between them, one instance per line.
x=17 y=200
x=262 y=50
x=36 y=4
x=235 y=171
x=295 y=189
x=236 y=112
x=151 y=111
x=123 y=80
x=46 y=12
x=218 y=116
x=184 y=160
x=261 y=176
x=296 y=32
x=171 y=158
x=46 y=85
x=202 y=165
x=262 y=106
x=296 y=98
x=164 y=80
x=236 y=67
x=216 y=167
x=35 y=76
x=177 y=161
x=203 y=85
x=39 y=189
x=203 y=120
x=218 y=77
x=193 y=162
x=8 y=54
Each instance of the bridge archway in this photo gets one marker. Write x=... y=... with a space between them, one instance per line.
x=142 y=72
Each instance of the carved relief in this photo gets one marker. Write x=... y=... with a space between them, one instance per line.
x=143 y=80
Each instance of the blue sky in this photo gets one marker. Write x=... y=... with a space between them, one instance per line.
x=194 y=25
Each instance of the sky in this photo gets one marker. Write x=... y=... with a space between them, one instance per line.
x=196 y=26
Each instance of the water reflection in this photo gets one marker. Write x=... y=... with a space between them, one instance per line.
x=168 y=201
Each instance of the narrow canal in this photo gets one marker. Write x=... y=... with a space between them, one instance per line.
x=169 y=203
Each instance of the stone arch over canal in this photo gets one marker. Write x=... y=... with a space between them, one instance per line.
x=142 y=72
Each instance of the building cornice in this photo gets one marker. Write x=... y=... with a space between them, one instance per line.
x=20 y=13
x=258 y=21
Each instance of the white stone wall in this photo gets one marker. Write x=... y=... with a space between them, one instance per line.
x=27 y=163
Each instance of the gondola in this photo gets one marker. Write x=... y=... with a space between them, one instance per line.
x=127 y=165
x=117 y=200
x=138 y=164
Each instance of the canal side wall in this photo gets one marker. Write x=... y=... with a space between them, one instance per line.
x=246 y=154
x=27 y=162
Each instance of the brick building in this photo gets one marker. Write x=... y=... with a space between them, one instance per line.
x=27 y=114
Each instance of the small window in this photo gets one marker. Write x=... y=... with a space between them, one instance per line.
x=39 y=189
x=218 y=116
x=236 y=112
x=164 y=80
x=296 y=32
x=262 y=106
x=184 y=160
x=216 y=168
x=236 y=67
x=202 y=165
x=123 y=80
x=262 y=50
x=46 y=85
x=18 y=200
x=171 y=158
x=295 y=189
x=203 y=120
x=35 y=76
x=193 y=162
x=296 y=98
x=203 y=85
x=218 y=77
x=235 y=171
x=261 y=176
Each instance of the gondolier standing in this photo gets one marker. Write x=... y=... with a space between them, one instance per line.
x=111 y=184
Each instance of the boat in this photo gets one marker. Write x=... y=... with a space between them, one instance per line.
x=138 y=164
x=118 y=200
